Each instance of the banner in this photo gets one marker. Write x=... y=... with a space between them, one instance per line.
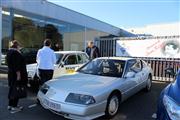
x=157 y=47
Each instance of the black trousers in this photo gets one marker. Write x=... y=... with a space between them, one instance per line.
x=45 y=75
x=13 y=102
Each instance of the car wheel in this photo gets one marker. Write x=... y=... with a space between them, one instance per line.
x=112 y=106
x=149 y=84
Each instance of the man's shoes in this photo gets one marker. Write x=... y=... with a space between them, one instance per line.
x=9 y=107
x=20 y=107
x=15 y=109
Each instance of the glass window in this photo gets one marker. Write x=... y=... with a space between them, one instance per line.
x=6 y=34
x=137 y=66
x=58 y=57
x=6 y=31
x=85 y=58
x=31 y=30
x=31 y=33
x=143 y=63
x=104 y=67
x=80 y=59
x=71 y=59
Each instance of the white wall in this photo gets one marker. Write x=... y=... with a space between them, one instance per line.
x=167 y=29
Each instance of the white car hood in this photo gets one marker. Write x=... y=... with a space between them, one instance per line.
x=81 y=83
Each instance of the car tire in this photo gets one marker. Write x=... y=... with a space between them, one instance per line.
x=112 y=107
x=148 y=84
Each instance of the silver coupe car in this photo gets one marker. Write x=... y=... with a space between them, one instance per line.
x=97 y=88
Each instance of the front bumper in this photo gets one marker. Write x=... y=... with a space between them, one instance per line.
x=73 y=111
x=161 y=110
x=162 y=113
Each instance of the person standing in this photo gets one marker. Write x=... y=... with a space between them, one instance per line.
x=56 y=47
x=17 y=75
x=92 y=50
x=46 y=59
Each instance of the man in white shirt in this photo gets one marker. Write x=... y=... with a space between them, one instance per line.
x=46 y=59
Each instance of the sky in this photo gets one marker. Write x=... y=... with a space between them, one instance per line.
x=127 y=13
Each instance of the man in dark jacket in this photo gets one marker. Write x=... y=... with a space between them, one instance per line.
x=17 y=75
x=92 y=50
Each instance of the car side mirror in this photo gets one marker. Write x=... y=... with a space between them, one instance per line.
x=170 y=71
x=61 y=65
x=130 y=75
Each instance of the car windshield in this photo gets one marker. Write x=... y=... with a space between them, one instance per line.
x=104 y=67
x=59 y=56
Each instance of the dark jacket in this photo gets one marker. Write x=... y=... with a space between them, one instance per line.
x=95 y=52
x=16 y=62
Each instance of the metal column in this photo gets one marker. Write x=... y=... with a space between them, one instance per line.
x=0 y=33
x=85 y=39
x=11 y=24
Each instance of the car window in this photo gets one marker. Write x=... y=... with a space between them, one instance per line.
x=144 y=64
x=79 y=59
x=104 y=67
x=85 y=58
x=58 y=57
x=70 y=60
x=136 y=67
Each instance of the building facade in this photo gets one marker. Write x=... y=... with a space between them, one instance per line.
x=30 y=22
x=163 y=29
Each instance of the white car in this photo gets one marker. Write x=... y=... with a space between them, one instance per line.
x=67 y=63
x=3 y=59
x=97 y=88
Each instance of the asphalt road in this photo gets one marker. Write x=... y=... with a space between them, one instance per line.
x=141 y=106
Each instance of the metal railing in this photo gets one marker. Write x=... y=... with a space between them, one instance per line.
x=107 y=48
x=159 y=65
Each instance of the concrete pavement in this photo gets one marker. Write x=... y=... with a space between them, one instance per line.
x=141 y=106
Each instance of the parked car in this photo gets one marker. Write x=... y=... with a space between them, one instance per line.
x=29 y=54
x=169 y=100
x=97 y=88
x=67 y=63
x=3 y=59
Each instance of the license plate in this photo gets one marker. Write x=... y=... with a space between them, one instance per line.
x=51 y=105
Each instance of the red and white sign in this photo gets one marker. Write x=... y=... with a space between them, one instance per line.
x=157 y=47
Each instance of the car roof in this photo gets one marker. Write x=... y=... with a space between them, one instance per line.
x=118 y=58
x=67 y=52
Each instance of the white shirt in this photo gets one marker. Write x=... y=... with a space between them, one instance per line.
x=46 y=58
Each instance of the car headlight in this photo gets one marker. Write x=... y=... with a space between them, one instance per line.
x=80 y=99
x=44 y=88
x=172 y=108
